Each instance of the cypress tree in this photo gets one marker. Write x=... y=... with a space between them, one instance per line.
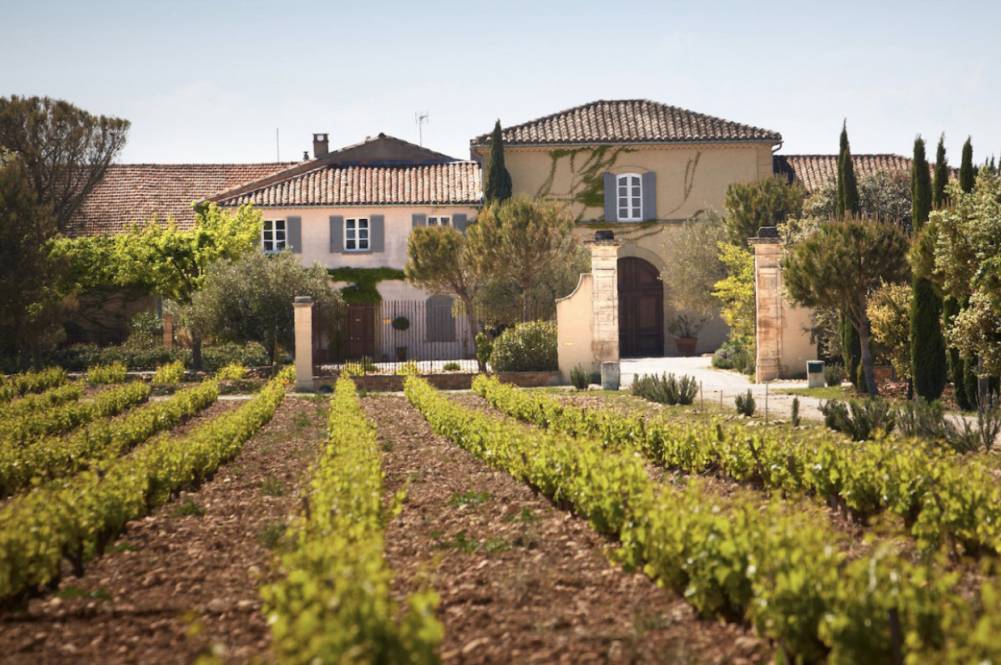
x=939 y=197
x=851 y=352
x=848 y=196
x=967 y=174
x=920 y=186
x=847 y=204
x=956 y=363
x=497 y=180
x=928 y=365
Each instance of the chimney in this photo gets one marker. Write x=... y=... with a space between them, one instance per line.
x=320 y=145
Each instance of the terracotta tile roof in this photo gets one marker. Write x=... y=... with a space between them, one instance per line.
x=456 y=182
x=815 y=171
x=131 y=193
x=629 y=121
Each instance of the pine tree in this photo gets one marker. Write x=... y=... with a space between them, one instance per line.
x=848 y=197
x=497 y=180
x=967 y=174
x=939 y=197
x=920 y=186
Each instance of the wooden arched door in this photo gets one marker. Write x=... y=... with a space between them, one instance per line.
x=641 y=309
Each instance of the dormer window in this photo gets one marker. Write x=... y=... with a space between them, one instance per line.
x=273 y=236
x=629 y=197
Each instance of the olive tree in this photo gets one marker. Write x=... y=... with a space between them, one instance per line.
x=438 y=261
x=692 y=269
x=840 y=265
x=250 y=299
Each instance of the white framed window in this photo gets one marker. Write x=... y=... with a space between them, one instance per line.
x=439 y=221
x=629 y=197
x=274 y=237
x=356 y=235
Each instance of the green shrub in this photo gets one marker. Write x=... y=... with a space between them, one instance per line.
x=745 y=404
x=232 y=372
x=776 y=568
x=527 y=347
x=914 y=482
x=31 y=382
x=77 y=519
x=580 y=378
x=24 y=428
x=408 y=368
x=113 y=373
x=834 y=375
x=251 y=354
x=859 y=419
x=78 y=357
x=666 y=389
x=169 y=374
x=734 y=354
x=484 y=347
x=61 y=455
x=334 y=602
x=451 y=366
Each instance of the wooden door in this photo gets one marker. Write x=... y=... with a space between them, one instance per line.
x=361 y=332
x=641 y=309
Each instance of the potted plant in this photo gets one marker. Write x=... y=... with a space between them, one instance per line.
x=401 y=324
x=685 y=328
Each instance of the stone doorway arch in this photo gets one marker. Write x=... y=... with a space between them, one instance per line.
x=641 y=308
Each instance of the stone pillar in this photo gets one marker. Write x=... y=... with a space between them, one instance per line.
x=605 y=300
x=168 y=331
x=767 y=304
x=303 y=307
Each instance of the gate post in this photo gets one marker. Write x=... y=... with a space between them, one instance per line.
x=767 y=304
x=605 y=300
x=303 y=309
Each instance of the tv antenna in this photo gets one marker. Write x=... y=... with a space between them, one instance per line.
x=421 y=117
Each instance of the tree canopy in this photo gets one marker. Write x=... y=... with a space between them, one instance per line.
x=840 y=265
x=249 y=299
x=765 y=202
x=521 y=242
x=692 y=269
x=27 y=298
x=64 y=150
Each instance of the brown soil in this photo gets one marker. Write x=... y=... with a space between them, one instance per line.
x=520 y=580
x=178 y=584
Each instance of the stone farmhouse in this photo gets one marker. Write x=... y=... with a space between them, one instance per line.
x=636 y=167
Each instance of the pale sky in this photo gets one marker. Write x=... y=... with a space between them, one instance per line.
x=210 y=81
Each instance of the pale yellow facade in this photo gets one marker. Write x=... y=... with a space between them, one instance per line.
x=691 y=180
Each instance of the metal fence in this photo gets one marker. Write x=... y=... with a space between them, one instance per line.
x=433 y=334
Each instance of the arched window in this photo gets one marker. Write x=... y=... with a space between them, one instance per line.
x=629 y=197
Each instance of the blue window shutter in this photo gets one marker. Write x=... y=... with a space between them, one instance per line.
x=293 y=233
x=377 y=233
x=420 y=220
x=459 y=222
x=649 y=196
x=336 y=234
x=611 y=211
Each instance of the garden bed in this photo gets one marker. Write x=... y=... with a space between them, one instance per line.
x=520 y=580
x=183 y=581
